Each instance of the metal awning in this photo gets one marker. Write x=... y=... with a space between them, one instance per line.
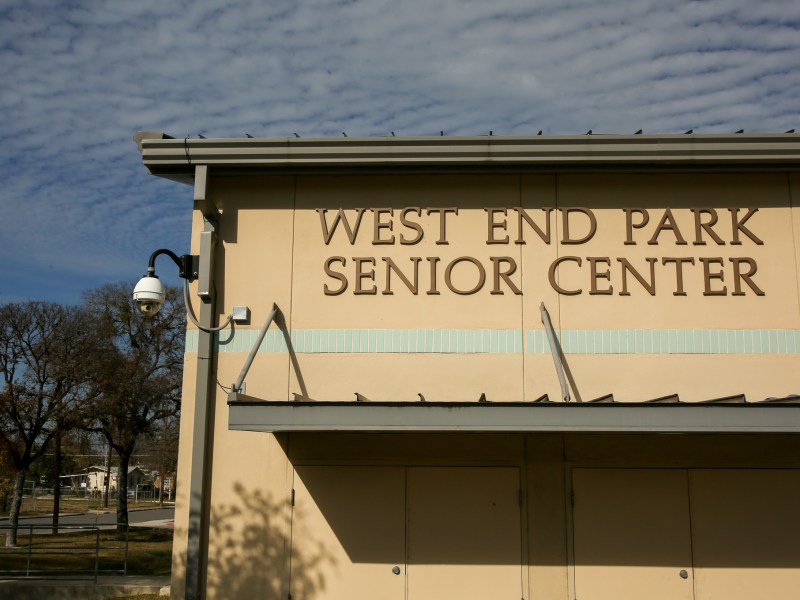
x=666 y=414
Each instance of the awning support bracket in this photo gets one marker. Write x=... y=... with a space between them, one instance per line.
x=555 y=350
x=237 y=387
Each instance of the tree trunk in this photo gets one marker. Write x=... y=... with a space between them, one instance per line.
x=16 y=503
x=57 y=485
x=122 y=493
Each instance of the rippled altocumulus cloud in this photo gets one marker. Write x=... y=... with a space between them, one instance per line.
x=78 y=209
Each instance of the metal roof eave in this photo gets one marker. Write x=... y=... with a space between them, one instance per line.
x=176 y=158
x=286 y=416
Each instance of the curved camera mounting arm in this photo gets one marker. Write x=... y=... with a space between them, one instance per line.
x=149 y=293
x=188 y=264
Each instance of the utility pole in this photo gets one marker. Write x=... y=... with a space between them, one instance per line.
x=107 y=479
x=57 y=476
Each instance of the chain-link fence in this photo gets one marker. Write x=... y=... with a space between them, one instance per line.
x=76 y=552
x=40 y=499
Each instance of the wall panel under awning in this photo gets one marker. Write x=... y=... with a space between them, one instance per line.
x=697 y=534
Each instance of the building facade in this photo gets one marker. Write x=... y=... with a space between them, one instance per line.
x=538 y=368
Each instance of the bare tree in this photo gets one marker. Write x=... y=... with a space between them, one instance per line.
x=161 y=446
x=6 y=478
x=41 y=350
x=137 y=371
x=68 y=440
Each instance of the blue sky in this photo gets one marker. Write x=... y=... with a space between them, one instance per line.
x=78 y=209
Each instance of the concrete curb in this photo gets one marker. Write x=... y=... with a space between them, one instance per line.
x=91 y=512
x=42 y=515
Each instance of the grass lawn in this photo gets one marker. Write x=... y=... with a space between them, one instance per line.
x=149 y=552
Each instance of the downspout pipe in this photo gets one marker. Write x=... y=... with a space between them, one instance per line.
x=203 y=420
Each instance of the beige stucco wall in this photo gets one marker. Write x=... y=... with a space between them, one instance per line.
x=271 y=249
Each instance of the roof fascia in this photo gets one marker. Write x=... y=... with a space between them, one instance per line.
x=177 y=158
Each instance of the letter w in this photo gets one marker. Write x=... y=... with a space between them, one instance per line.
x=352 y=232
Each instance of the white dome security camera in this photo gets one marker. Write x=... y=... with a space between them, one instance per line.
x=149 y=295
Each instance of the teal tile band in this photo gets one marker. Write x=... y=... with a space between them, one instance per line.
x=509 y=341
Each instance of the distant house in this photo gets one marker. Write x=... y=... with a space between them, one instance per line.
x=93 y=478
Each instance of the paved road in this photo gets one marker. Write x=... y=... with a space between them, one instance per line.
x=151 y=517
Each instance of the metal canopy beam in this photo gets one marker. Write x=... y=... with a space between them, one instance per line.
x=248 y=415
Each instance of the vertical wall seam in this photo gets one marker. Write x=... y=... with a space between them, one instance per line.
x=288 y=319
x=558 y=248
x=407 y=514
x=792 y=219
x=691 y=532
x=293 y=474
x=571 y=560
x=559 y=233
x=522 y=298
x=525 y=543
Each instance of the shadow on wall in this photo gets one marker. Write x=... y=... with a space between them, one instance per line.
x=249 y=552
x=719 y=518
